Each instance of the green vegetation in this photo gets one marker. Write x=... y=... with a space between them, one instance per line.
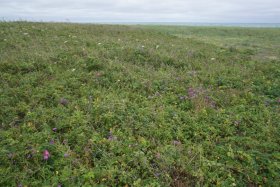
x=111 y=105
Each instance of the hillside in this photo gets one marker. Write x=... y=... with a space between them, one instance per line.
x=112 y=105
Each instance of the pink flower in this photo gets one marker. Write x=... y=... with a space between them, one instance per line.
x=46 y=155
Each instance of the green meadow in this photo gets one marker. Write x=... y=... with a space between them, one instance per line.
x=113 y=105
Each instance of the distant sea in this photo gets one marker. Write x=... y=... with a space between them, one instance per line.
x=271 y=25
x=265 y=25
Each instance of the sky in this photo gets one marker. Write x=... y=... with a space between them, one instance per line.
x=204 y=11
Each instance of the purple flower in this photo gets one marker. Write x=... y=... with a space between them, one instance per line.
x=66 y=155
x=54 y=129
x=192 y=93
x=59 y=185
x=63 y=101
x=278 y=101
x=176 y=142
x=20 y=185
x=46 y=155
x=111 y=137
x=52 y=142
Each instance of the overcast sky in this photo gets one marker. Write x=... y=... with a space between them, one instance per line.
x=216 y=11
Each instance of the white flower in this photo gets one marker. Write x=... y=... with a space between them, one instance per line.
x=99 y=43
x=73 y=69
x=157 y=46
x=213 y=59
x=143 y=46
x=5 y=39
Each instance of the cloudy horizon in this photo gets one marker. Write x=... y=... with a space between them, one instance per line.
x=206 y=11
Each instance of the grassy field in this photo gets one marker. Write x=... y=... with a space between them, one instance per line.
x=111 y=105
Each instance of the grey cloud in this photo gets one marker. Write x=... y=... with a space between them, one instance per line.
x=143 y=10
